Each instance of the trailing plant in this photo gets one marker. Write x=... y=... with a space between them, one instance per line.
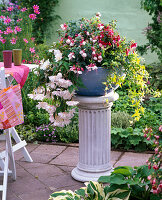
x=45 y=18
x=93 y=190
x=154 y=30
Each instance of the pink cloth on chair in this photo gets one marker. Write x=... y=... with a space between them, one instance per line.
x=20 y=73
x=11 y=109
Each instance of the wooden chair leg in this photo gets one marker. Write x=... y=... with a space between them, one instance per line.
x=5 y=176
x=19 y=141
x=11 y=155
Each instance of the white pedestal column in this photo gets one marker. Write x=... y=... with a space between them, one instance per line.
x=94 y=137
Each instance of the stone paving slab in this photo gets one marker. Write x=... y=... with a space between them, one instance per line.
x=69 y=157
x=51 y=170
x=133 y=159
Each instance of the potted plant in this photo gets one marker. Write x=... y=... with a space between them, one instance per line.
x=88 y=47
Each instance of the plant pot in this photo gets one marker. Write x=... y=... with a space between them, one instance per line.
x=93 y=82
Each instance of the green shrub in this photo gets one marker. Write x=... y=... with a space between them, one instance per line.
x=121 y=120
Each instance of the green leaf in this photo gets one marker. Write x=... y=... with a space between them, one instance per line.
x=80 y=192
x=104 y=179
x=126 y=171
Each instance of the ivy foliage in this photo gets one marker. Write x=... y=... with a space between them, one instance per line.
x=154 y=29
x=46 y=16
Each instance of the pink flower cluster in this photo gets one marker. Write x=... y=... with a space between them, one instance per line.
x=36 y=11
x=155 y=161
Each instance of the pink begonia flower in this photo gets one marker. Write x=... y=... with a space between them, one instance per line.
x=13 y=41
x=25 y=40
x=7 y=20
x=19 y=20
x=63 y=26
x=23 y=9
x=1 y=32
x=32 y=50
x=35 y=7
x=10 y=8
x=32 y=16
x=37 y=12
x=17 y=29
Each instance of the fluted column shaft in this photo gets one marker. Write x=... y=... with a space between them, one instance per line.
x=94 y=137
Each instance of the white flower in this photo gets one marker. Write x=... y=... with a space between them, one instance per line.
x=72 y=103
x=84 y=55
x=98 y=14
x=45 y=65
x=58 y=55
x=51 y=50
x=68 y=41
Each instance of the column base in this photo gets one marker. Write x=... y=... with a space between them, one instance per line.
x=83 y=176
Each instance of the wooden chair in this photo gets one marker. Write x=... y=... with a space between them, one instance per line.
x=8 y=154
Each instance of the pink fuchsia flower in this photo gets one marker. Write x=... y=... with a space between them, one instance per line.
x=35 y=7
x=155 y=167
x=13 y=41
x=10 y=8
x=63 y=26
x=32 y=50
x=91 y=67
x=149 y=177
x=127 y=51
x=133 y=45
x=71 y=55
x=37 y=12
x=25 y=40
x=23 y=9
x=32 y=16
x=17 y=29
x=83 y=54
x=7 y=20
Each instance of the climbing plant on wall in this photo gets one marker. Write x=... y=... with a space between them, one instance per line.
x=154 y=30
x=46 y=16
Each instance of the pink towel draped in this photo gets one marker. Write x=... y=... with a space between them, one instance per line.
x=19 y=73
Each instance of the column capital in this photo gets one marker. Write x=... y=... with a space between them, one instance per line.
x=97 y=102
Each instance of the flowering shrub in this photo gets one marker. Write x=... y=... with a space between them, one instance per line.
x=45 y=133
x=85 y=45
x=154 y=161
x=16 y=30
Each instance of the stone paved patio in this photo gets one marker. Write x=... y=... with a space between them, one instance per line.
x=51 y=170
